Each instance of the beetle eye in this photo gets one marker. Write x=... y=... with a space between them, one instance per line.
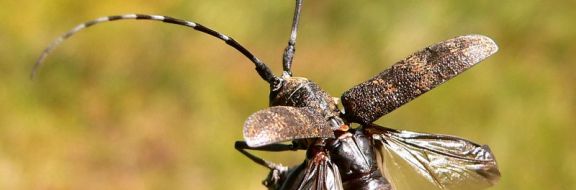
x=277 y=84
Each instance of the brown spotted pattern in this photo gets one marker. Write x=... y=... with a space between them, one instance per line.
x=413 y=76
x=284 y=123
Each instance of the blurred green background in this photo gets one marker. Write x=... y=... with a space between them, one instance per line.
x=143 y=105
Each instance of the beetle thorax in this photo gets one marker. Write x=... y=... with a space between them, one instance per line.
x=301 y=92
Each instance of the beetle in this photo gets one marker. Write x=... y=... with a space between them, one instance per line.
x=339 y=156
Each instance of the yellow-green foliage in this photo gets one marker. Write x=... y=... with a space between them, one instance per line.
x=142 y=105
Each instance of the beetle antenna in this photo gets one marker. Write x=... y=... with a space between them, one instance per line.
x=291 y=49
x=263 y=70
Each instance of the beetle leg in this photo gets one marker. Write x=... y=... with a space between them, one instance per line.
x=242 y=147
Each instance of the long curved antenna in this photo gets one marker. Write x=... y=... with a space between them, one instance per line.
x=290 y=50
x=261 y=67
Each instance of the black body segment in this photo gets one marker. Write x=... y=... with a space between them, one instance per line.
x=413 y=76
x=284 y=123
x=356 y=158
x=347 y=161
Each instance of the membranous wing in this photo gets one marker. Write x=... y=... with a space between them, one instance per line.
x=285 y=123
x=316 y=173
x=413 y=76
x=445 y=162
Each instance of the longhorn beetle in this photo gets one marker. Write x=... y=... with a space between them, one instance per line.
x=341 y=157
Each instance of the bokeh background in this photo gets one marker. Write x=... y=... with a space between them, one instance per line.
x=145 y=105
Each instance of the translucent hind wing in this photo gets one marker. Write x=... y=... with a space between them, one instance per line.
x=321 y=174
x=445 y=162
x=316 y=173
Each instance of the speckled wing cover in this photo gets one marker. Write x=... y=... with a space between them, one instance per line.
x=413 y=76
x=437 y=161
x=285 y=123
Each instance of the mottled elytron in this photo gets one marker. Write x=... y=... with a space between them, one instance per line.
x=341 y=157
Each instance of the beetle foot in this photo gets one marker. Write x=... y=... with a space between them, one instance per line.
x=275 y=177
